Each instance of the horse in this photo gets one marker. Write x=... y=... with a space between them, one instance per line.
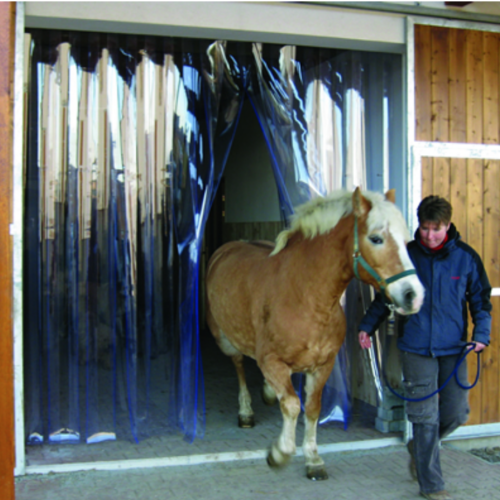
x=279 y=303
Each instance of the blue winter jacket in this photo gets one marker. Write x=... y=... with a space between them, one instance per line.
x=452 y=277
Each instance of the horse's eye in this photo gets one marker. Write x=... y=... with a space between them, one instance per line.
x=376 y=239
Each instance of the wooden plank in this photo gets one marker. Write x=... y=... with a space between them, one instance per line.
x=423 y=126
x=422 y=83
x=491 y=225
x=490 y=88
x=440 y=107
x=458 y=126
x=458 y=193
x=474 y=100
x=427 y=176
x=474 y=233
x=441 y=177
x=439 y=85
x=475 y=238
x=7 y=450
x=457 y=86
x=491 y=228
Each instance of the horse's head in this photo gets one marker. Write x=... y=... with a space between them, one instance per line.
x=380 y=257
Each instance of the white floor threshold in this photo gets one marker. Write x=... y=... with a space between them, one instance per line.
x=145 y=463
x=463 y=433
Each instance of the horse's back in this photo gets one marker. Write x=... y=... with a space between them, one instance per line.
x=239 y=254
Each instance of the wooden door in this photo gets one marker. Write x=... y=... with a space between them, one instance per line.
x=457 y=101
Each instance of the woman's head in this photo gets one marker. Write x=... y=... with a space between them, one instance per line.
x=434 y=209
x=434 y=218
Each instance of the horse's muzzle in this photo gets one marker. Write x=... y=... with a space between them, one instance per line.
x=408 y=298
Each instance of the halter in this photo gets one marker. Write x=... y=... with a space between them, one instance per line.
x=359 y=259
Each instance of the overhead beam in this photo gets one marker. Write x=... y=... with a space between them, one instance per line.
x=267 y=22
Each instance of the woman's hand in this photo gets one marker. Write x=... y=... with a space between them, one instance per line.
x=364 y=340
x=478 y=346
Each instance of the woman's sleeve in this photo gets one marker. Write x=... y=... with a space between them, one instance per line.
x=479 y=293
x=377 y=312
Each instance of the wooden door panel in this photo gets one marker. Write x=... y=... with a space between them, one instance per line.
x=473 y=188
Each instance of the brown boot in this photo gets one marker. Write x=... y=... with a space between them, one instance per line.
x=437 y=495
x=411 y=465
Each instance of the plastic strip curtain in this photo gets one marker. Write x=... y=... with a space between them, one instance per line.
x=311 y=104
x=105 y=174
x=208 y=104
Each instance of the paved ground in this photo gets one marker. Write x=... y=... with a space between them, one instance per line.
x=380 y=474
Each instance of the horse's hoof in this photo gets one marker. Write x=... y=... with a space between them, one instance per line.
x=277 y=463
x=316 y=472
x=246 y=421
x=271 y=462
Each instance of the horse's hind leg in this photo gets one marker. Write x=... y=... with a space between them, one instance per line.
x=245 y=414
x=315 y=467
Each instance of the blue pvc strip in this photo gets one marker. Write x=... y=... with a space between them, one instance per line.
x=113 y=292
x=130 y=334
x=72 y=232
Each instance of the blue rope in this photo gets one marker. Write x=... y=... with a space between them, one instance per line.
x=460 y=360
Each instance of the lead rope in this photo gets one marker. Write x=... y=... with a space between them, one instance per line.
x=460 y=360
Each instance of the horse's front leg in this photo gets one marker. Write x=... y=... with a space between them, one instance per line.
x=315 y=467
x=278 y=375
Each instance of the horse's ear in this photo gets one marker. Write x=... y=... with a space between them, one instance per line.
x=391 y=195
x=360 y=205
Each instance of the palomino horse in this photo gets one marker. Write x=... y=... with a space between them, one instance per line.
x=280 y=304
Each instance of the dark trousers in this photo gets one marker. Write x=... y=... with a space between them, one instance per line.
x=436 y=417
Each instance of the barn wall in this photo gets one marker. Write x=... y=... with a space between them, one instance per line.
x=326 y=27
x=457 y=95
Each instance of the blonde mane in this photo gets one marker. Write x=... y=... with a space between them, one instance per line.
x=322 y=214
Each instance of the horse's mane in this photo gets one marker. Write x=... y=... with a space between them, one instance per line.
x=322 y=214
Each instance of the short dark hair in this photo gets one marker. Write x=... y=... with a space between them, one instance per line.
x=434 y=209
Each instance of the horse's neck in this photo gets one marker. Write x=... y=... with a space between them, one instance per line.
x=325 y=261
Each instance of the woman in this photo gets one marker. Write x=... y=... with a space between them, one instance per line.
x=432 y=340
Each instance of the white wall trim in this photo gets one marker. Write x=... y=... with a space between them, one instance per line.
x=449 y=23
x=17 y=233
x=420 y=149
x=146 y=463
x=457 y=150
x=475 y=432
